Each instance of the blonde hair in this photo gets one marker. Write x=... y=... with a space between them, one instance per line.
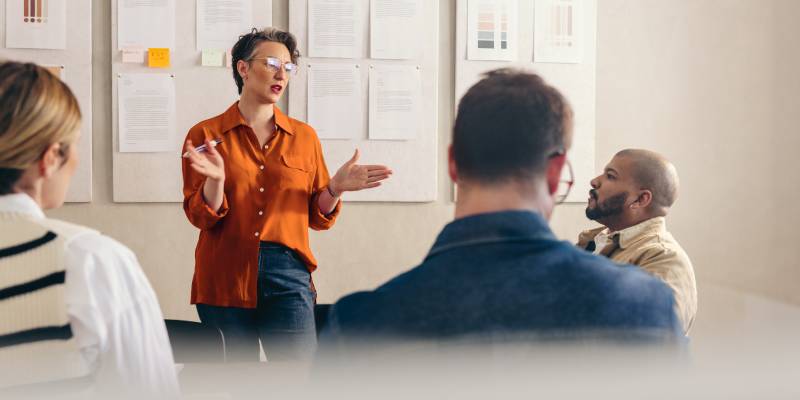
x=37 y=110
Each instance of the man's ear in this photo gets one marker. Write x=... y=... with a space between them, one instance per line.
x=643 y=200
x=50 y=161
x=553 y=173
x=451 y=164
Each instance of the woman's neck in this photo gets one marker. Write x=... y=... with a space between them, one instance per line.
x=31 y=186
x=255 y=113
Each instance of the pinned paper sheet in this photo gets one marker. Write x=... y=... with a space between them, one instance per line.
x=492 y=30
x=558 y=31
x=220 y=22
x=147 y=23
x=395 y=95
x=133 y=55
x=335 y=101
x=36 y=24
x=213 y=58
x=335 y=28
x=147 y=113
x=158 y=58
x=395 y=28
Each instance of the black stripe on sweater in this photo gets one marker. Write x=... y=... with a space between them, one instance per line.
x=36 y=335
x=27 y=246
x=55 y=278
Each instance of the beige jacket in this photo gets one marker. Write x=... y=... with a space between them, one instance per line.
x=649 y=246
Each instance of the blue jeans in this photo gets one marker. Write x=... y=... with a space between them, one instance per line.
x=283 y=318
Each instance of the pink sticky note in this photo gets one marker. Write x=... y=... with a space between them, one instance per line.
x=133 y=55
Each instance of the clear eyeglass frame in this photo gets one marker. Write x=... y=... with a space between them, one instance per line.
x=274 y=64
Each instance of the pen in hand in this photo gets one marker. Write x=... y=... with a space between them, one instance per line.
x=203 y=147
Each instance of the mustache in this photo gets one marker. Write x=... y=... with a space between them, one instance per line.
x=593 y=193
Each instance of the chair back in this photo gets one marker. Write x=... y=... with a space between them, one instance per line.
x=193 y=342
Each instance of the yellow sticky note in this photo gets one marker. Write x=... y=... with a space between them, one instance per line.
x=158 y=58
x=212 y=58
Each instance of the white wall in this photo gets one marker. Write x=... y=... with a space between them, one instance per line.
x=709 y=83
x=712 y=84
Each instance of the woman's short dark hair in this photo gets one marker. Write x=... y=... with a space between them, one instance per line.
x=507 y=126
x=244 y=48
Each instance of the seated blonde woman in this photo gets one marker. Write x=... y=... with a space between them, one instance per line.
x=75 y=307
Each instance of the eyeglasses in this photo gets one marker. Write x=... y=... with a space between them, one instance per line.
x=564 y=185
x=274 y=65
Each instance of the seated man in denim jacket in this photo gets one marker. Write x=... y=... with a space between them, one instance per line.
x=498 y=268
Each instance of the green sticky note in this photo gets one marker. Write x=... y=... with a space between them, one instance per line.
x=212 y=57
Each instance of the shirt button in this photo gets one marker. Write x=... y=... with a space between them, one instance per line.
x=260 y=213
x=256 y=233
x=261 y=167
x=261 y=189
x=266 y=146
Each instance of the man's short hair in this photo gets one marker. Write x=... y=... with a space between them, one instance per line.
x=654 y=172
x=507 y=126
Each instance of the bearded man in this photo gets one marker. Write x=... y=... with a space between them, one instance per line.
x=631 y=199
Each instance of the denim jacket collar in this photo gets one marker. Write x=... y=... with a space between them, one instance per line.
x=496 y=227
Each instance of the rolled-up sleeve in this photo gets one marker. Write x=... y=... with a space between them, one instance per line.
x=317 y=220
x=194 y=205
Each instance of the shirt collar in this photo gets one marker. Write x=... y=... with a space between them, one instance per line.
x=633 y=234
x=232 y=118
x=20 y=203
x=282 y=121
x=493 y=227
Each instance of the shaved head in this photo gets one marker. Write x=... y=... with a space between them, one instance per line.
x=653 y=172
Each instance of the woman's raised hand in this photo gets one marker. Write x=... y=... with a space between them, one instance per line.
x=208 y=163
x=353 y=177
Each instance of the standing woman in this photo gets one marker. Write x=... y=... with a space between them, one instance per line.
x=253 y=197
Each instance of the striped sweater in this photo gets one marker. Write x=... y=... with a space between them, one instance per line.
x=36 y=340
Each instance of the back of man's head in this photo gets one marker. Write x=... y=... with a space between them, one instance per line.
x=507 y=126
x=653 y=171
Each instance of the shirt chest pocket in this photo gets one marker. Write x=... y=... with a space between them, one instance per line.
x=296 y=172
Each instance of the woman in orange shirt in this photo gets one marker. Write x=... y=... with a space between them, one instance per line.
x=253 y=196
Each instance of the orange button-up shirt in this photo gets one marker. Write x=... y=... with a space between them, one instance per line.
x=270 y=195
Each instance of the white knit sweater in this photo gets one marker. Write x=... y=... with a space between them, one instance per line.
x=36 y=341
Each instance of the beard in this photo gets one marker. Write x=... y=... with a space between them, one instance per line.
x=610 y=207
